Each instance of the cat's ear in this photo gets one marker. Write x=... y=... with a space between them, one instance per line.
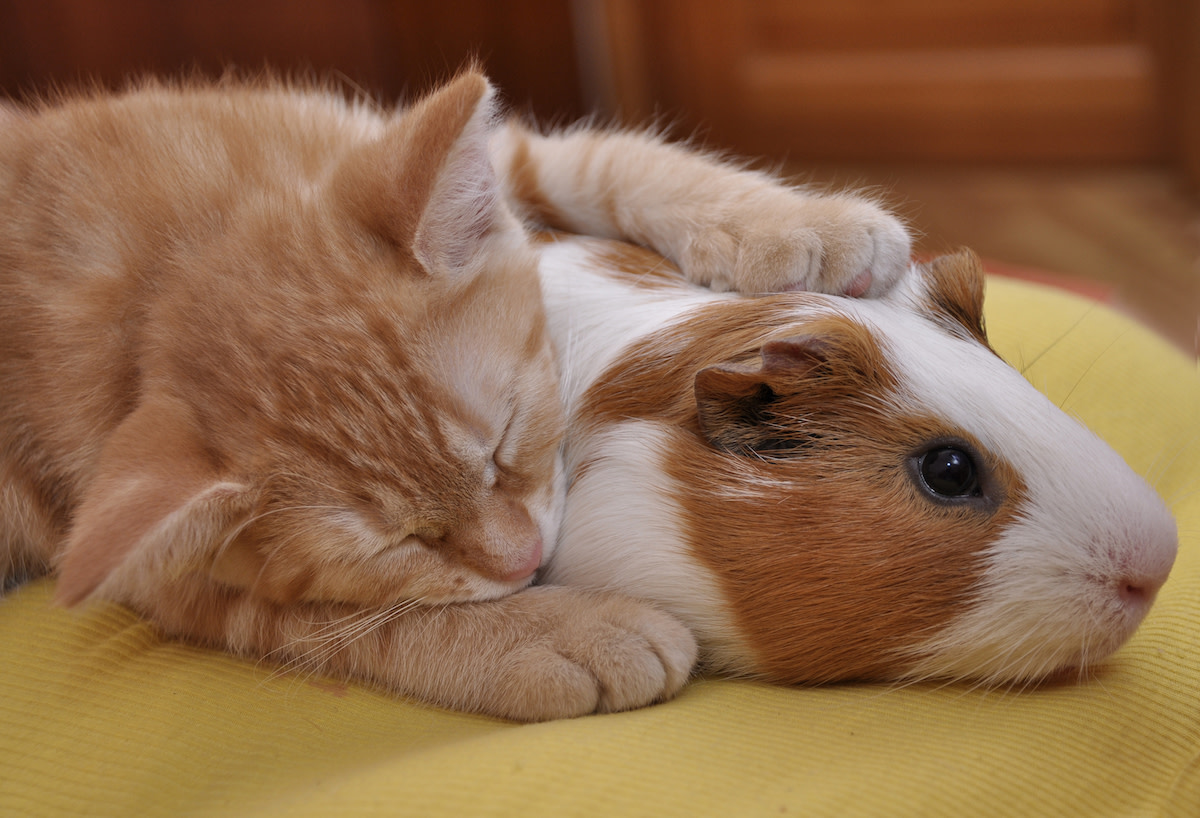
x=749 y=408
x=154 y=509
x=427 y=184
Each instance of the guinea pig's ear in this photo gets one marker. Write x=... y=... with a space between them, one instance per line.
x=955 y=292
x=734 y=402
x=754 y=409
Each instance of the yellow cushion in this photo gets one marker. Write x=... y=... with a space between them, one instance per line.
x=99 y=716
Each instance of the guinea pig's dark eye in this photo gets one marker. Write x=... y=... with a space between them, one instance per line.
x=949 y=472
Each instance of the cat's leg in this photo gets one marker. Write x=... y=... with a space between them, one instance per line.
x=544 y=653
x=727 y=228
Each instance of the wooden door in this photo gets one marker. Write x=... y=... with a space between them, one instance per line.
x=899 y=79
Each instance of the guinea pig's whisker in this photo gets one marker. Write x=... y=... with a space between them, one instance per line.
x=1020 y=662
x=1095 y=360
x=1026 y=365
x=1189 y=532
x=1161 y=464
x=1182 y=493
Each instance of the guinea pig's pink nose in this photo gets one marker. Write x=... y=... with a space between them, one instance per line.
x=1139 y=587
x=1138 y=592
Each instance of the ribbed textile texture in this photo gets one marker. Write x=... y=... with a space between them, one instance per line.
x=101 y=717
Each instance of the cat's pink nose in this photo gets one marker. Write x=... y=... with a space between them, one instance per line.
x=528 y=566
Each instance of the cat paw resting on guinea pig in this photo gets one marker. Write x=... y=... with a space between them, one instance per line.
x=727 y=229
x=275 y=373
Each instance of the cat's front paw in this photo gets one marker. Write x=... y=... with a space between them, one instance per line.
x=594 y=653
x=778 y=239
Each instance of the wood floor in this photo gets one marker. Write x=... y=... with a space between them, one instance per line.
x=1132 y=230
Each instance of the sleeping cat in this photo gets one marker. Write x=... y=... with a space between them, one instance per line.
x=275 y=374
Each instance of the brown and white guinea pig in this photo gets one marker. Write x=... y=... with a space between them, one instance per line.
x=826 y=488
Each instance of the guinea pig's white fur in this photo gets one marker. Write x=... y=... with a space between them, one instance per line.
x=804 y=546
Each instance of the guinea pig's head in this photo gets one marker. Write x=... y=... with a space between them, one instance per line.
x=1079 y=544
x=875 y=494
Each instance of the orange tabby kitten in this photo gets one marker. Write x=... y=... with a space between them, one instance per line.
x=274 y=373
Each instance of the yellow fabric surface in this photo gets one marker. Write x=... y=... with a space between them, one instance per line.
x=98 y=716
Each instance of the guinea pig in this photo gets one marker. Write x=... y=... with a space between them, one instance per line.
x=824 y=488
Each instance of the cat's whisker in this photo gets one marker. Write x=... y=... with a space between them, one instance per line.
x=242 y=526
x=359 y=630
x=280 y=546
x=308 y=479
x=311 y=652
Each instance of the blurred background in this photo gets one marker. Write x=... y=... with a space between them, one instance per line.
x=1058 y=138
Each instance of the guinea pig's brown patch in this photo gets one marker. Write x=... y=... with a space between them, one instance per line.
x=831 y=557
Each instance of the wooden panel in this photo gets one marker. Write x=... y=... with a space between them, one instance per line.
x=309 y=36
x=66 y=41
x=1030 y=103
x=1186 y=99
x=613 y=43
x=387 y=47
x=786 y=25
x=897 y=79
x=526 y=46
